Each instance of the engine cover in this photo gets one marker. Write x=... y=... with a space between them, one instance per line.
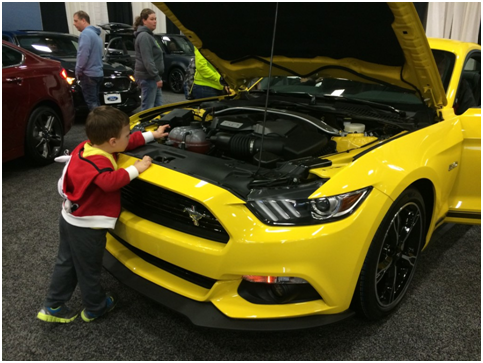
x=241 y=136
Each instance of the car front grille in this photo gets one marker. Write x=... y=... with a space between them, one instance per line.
x=115 y=84
x=172 y=210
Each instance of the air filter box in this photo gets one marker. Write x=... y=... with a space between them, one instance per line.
x=178 y=117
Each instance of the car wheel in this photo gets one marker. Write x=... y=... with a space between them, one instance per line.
x=392 y=257
x=45 y=137
x=175 y=79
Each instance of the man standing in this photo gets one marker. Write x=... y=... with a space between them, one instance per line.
x=89 y=59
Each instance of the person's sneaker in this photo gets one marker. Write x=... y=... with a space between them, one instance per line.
x=111 y=301
x=60 y=314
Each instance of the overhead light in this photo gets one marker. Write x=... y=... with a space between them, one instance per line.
x=42 y=48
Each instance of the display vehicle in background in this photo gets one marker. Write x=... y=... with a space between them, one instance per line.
x=309 y=195
x=119 y=88
x=37 y=107
x=177 y=52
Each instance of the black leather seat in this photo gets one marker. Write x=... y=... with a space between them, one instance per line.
x=474 y=81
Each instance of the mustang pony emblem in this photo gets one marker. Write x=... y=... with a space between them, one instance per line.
x=194 y=215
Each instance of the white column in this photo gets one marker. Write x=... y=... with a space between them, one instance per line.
x=97 y=13
x=454 y=20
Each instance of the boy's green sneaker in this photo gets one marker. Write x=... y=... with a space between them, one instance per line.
x=60 y=314
x=111 y=301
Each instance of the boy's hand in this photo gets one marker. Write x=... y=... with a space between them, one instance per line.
x=160 y=132
x=144 y=164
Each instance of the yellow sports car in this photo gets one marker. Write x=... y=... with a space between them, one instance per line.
x=308 y=193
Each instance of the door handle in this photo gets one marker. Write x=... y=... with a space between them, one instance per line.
x=15 y=80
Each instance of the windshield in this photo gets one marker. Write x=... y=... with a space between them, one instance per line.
x=339 y=87
x=50 y=45
x=177 y=45
x=445 y=62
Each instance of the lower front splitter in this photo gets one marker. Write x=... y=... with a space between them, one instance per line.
x=205 y=314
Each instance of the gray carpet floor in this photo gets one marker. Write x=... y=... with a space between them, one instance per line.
x=439 y=320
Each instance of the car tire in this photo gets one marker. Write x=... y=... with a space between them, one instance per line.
x=175 y=80
x=392 y=258
x=45 y=137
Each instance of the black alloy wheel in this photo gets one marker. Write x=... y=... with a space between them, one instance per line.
x=45 y=137
x=175 y=79
x=392 y=257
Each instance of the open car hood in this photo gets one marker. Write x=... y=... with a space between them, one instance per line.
x=372 y=42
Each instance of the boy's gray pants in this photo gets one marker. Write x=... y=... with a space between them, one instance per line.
x=79 y=261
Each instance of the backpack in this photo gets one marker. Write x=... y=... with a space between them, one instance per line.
x=189 y=79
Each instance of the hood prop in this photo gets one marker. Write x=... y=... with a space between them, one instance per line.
x=268 y=88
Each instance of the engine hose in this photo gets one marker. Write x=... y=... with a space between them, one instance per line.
x=182 y=145
x=240 y=145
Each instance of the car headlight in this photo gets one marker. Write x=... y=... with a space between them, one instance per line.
x=280 y=211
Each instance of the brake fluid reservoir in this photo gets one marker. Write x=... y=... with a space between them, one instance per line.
x=354 y=139
x=350 y=127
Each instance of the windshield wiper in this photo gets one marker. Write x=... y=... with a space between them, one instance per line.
x=312 y=97
x=365 y=102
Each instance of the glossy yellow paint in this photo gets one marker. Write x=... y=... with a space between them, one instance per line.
x=329 y=256
x=465 y=196
x=421 y=69
x=352 y=141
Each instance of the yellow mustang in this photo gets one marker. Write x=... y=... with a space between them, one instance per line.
x=308 y=195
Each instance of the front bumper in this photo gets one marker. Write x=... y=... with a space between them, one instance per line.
x=130 y=99
x=205 y=314
x=328 y=256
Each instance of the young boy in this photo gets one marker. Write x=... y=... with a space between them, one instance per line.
x=91 y=187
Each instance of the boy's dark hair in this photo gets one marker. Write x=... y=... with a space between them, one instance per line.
x=83 y=15
x=104 y=123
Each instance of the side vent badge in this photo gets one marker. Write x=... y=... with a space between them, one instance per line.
x=452 y=166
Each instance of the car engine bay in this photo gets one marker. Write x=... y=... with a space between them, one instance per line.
x=247 y=147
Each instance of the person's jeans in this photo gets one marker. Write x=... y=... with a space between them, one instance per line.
x=91 y=87
x=151 y=95
x=79 y=261
x=205 y=91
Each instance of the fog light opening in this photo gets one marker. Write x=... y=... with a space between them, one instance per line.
x=276 y=290
x=279 y=289
x=274 y=279
x=283 y=293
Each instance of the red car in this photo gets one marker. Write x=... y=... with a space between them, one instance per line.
x=37 y=106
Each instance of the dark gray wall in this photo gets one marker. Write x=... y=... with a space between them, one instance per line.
x=54 y=17
x=18 y=15
x=51 y=15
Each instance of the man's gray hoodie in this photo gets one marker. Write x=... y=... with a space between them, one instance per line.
x=149 y=56
x=89 y=54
